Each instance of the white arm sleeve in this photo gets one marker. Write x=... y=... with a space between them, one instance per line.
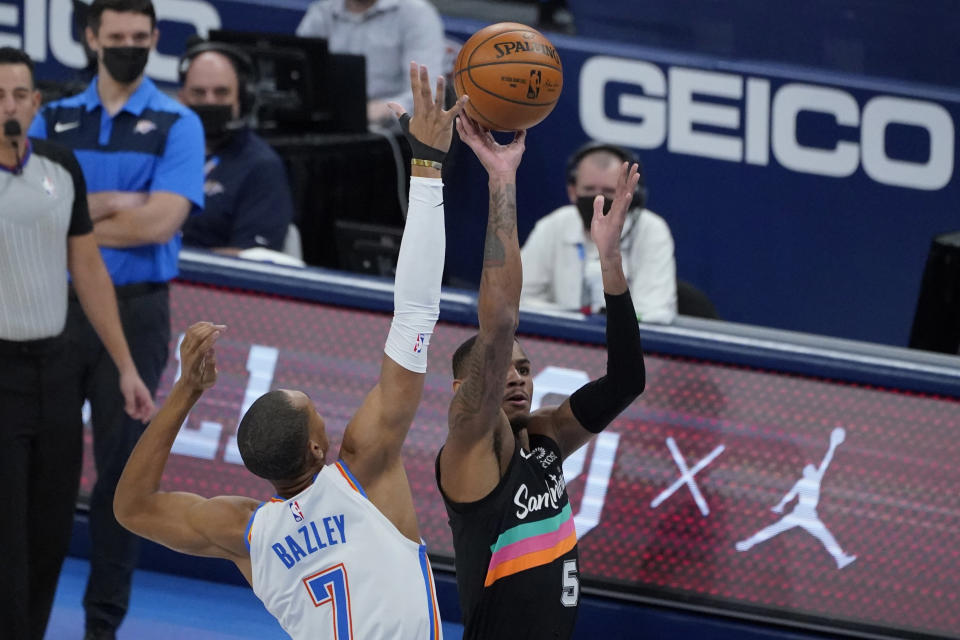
x=416 y=290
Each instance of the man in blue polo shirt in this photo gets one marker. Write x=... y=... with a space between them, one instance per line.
x=142 y=156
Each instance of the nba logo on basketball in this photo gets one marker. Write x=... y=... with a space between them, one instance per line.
x=295 y=510
x=533 y=89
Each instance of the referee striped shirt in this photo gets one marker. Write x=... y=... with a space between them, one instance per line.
x=40 y=207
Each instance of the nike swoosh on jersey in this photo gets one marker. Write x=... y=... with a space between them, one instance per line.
x=60 y=127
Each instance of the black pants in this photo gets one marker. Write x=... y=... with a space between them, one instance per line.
x=145 y=316
x=40 y=460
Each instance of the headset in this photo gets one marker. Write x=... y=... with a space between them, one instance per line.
x=242 y=64
x=640 y=193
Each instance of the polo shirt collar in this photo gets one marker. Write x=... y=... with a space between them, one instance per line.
x=136 y=103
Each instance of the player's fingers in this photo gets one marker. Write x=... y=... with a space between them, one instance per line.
x=414 y=77
x=463 y=129
x=440 y=90
x=210 y=362
x=396 y=108
x=194 y=336
x=457 y=106
x=470 y=128
x=425 y=84
x=597 y=207
x=208 y=340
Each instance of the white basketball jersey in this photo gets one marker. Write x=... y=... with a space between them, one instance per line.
x=328 y=564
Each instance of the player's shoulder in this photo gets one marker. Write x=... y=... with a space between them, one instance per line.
x=542 y=424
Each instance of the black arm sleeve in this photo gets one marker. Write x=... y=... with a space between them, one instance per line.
x=598 y=402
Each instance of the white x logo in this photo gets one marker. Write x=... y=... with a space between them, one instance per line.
x=687 y=477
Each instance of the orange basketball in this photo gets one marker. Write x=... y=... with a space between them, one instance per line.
x=512 y=74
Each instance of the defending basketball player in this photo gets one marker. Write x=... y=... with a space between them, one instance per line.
x=337 y=553
x=500 y=471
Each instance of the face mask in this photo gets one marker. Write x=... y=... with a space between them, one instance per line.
x=585 y=207
x=125 y=64
x=216 y=119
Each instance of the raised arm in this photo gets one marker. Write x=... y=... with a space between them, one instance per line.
x=594 y=406
x=375 y=435
x=837 y=436
x=182 y=521
x=480 y=442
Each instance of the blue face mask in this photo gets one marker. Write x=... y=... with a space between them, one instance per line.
x=585 y=207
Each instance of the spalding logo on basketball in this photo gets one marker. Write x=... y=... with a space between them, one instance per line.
x=512 y=74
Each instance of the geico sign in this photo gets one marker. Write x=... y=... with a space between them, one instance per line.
x=672 y=108
x=39 y=33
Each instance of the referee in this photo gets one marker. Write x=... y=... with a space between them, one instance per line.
x=45 y=230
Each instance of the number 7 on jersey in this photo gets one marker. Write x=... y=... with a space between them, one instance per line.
x=330 y=586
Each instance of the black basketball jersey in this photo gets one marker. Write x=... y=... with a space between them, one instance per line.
x=516 y=551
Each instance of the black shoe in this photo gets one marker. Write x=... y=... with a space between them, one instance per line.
x=100 y=634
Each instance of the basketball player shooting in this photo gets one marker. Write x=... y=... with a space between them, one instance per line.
x=500 y=470
x=337 y=553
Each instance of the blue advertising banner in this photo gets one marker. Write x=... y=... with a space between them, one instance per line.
x=798 y=199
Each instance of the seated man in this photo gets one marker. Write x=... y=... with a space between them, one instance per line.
x=387 y=33
x=561 y=266
x=248 y=202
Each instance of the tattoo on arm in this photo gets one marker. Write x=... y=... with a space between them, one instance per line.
x=503 y=218
x=470 y=397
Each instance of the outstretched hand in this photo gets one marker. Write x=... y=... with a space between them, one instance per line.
x=198 y=360
x=496 y=158
x=430 y=124
x=606 y=229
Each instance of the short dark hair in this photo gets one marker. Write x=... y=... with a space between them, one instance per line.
x=95 y=12
x=460 y=356
x=9 y=55
x=272 y=437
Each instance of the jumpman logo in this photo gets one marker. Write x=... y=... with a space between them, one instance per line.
x=804 y=514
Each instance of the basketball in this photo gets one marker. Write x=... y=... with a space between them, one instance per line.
x=512 y=74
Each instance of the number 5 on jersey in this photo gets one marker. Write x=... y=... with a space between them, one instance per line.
x=330 y=586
